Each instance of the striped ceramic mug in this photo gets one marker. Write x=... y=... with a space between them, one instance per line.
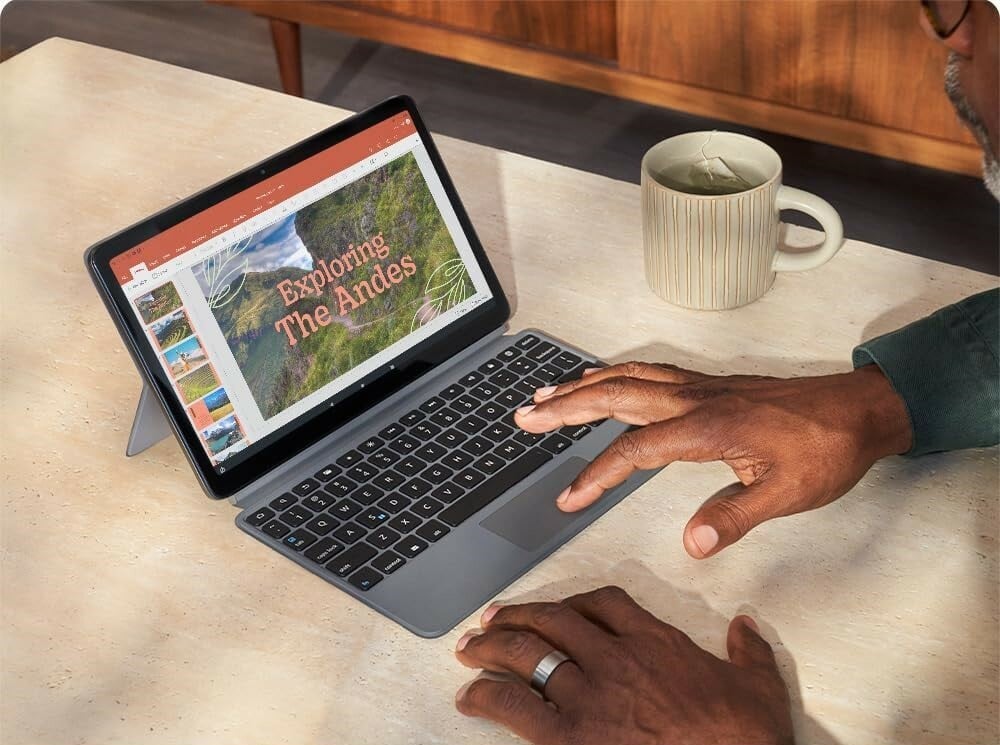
x=710 y=219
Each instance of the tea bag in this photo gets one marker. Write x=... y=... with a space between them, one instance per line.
x=715 y=174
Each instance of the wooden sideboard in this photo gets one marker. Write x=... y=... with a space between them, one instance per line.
x=859 y=74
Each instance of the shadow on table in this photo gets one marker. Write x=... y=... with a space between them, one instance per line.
x=668 y=603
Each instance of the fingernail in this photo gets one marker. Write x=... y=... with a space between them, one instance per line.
x=705 y=538
x=546 y=391
x=489 y=613
x=591 y=370
x=563 y=496
x=461 y=691
x=751 y=624
x=465 y=639
x=525 y=410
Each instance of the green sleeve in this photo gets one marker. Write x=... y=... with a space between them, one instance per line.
x=945 y=369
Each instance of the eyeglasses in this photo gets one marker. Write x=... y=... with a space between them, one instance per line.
x=945 y=16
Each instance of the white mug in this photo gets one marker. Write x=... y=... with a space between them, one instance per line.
x=712 y=251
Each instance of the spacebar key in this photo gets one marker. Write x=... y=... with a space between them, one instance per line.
x=493 y=487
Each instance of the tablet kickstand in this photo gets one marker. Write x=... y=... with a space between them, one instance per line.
x=149 y=425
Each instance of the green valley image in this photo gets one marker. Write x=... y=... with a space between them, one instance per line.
x=171 y=329
x=241 y=283
x=155 y=303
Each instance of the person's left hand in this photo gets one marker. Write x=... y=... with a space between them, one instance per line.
x=631 y=679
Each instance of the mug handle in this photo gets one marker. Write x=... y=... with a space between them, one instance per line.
x=790 y=198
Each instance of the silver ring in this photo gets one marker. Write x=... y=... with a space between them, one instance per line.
x=545 y=668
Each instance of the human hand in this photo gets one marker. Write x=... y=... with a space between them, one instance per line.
x=631 y=679
x=796 y=444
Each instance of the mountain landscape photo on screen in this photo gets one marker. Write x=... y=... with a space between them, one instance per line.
x=306 y=299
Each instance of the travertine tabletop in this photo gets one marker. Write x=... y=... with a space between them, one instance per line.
x=133 y=610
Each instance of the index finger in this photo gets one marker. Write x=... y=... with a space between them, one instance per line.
x=656 y=372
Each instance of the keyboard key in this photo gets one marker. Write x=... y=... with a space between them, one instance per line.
x=412 y=417
x=566 y=360
x=367 y=494
x=451 y=438
x=485 y=391
x=503 y=378
x=327 y=472
x=411 y=546
x=522 y=366
x=349 y=533
x=457 y=459
x=392 y=431
x=322 y=524
x=361 y=472
x=324 y=550
x=404 y=522
x=299 y=540
x=541 y=351
x=471 y=424
x=370 y=445
x=511 y=399
x=394 y=503
x=509 y=354
x=373 y=517
x=349 y=458
x=431 y=451
x=470 y=379
x=491 y=411
x=489 y=464
x=548 y=373
x=306 y=487
x=469 y=478
x=556 y=443
x=351 y=559
x=431 y=405
x=509 y=450
x=411 y=465
x=575 y=432
x=445 y=417
x=318 y=501
x=275 y=529
x=383 y=458
x=452 y=391
x=527 y=438
x=526 y=342
x=528 y=386
x=260 y=517
x=388 y=480
x=496 y=485
x=295 y=516
x=432 y=531
x=427 y=506
x=365 y=579
x=425 y=430
x=388 y=562
x=448 y=492
x=477 y=446
x=382 y=537
x=404 y=444
x=415 y=488
x=490 y=366
x=341 y=486
x=283 y=502
x=345 y=509
x=466 y=403
x=437 y=474
x=576 y=373
x=498 y=432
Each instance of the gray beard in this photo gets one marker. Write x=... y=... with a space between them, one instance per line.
x=991 y=167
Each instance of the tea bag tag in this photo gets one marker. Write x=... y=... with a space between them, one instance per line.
x=713 y=173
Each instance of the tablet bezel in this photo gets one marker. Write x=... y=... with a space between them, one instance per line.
x=323 y=419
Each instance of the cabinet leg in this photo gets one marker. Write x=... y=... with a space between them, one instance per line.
x=285 y=36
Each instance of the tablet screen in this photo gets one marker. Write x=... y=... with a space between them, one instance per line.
x=273 y=303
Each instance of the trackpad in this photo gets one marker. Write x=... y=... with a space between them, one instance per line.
x=531 y=518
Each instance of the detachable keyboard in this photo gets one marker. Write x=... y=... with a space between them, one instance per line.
x=382 y=504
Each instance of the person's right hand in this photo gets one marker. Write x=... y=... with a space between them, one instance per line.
x=795 y=444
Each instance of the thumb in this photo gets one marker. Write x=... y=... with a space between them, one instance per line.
x=746 y=647
x=730 y=515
